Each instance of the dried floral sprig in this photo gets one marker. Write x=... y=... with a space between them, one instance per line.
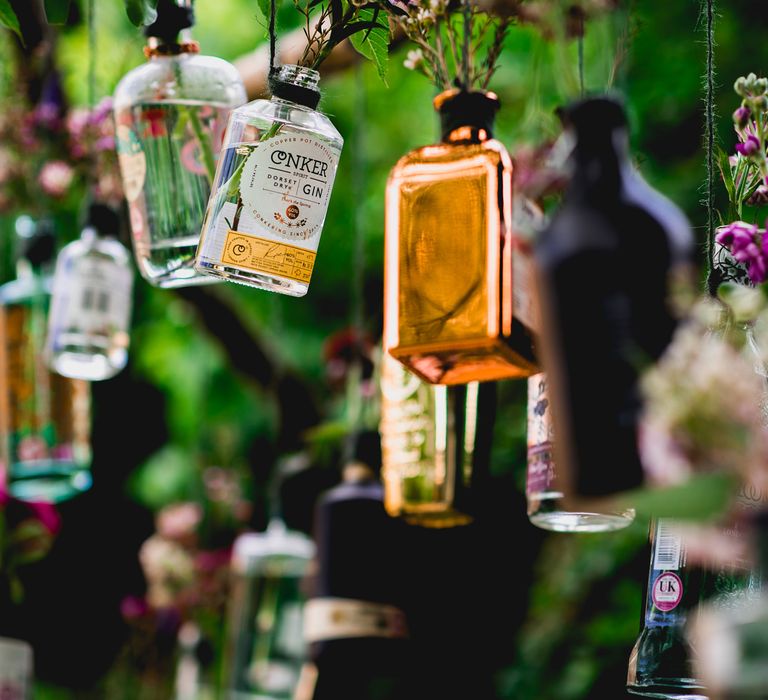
x=327 y=23
x=458 y=45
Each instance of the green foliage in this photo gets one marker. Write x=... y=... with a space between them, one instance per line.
x=57 y=11
x=373 y=44
x=8 y=18
x=141 y=12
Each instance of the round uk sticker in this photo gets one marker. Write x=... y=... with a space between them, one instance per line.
x=667 y=591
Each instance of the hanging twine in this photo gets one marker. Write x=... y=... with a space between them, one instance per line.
x=91 y=21
x=358 y=194
x=272 y=37
x=581 y=60
x=713 y=274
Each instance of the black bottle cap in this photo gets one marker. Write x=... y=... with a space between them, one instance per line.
x=593 y=118
x=459 y=108
x=39 y=247
x=103 y=219
x=171 y=19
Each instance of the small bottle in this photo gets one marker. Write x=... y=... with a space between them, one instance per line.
x=458 y=282
x=661 y=664
x=607 y=266
x=266 y=648
x=273 y=184
x=354 y=620
x=170 y=115
x=88 y=327
x=16 y=661
x=433 y=442
x=44 y=417
x=545 y=497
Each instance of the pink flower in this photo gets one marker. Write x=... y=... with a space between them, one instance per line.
x=32 y=448
x=48 y=516
x=179 y=522
x=750 y=146
x=133 y=607
x=56 y=177
x=5 y=496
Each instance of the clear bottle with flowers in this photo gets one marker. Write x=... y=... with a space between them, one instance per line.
x=170 y=115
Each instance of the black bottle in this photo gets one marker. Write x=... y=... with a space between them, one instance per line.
x=606 y=266
x=354 y=621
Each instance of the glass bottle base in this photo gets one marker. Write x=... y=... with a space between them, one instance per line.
x=545 y=511
x=694 y=692
x=48 y=481
x=252 y=279
x=173 y=265
x=566 y=521
x=91 y=367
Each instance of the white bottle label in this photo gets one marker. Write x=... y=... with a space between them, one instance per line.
x=285 y=187
x=94 y=297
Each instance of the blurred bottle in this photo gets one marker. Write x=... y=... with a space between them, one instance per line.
x=459 y=303
x=15 y=669
x=435 y=444
x=265 y=643
x=732 y=640
x=608 y=265
x=661 y=663
x=170 y=116
x=546 y=508
x=44 y=418
x=354 y=620
x=88 y=329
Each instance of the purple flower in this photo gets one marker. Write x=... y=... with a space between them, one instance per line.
x=750 y=146
x=742 y=116
x=736 y=235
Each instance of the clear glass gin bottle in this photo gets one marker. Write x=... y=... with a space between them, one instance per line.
x=44 y=417
x=88 y=330
x=272 y=188
x=170 y=116
x=661 y=664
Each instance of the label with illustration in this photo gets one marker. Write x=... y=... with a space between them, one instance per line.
x=133 y=162
x=93 y=296
x=285 y=187
x=541 y=466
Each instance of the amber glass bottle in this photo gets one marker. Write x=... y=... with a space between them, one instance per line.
x=458 y=306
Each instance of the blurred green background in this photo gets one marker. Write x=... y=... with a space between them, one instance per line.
x=578 y=618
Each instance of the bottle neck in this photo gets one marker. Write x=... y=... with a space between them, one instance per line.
x=466 y=117
x=181 y=45
x=601 y=165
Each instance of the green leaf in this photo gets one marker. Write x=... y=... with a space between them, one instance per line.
x=703 y=497
x=374 y=43
x=57 y=11
x=725 y=171
x=141 y=12
x=9 y=19
x=263 y=6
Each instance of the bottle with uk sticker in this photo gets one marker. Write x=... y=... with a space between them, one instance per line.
x=272 y=187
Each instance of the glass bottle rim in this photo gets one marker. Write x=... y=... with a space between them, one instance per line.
x=303 y=76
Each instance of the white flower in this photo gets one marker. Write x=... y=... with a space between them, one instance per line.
x=414 y=59
x=56 y=177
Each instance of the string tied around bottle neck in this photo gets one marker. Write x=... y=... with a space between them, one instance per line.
x=286 y=89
